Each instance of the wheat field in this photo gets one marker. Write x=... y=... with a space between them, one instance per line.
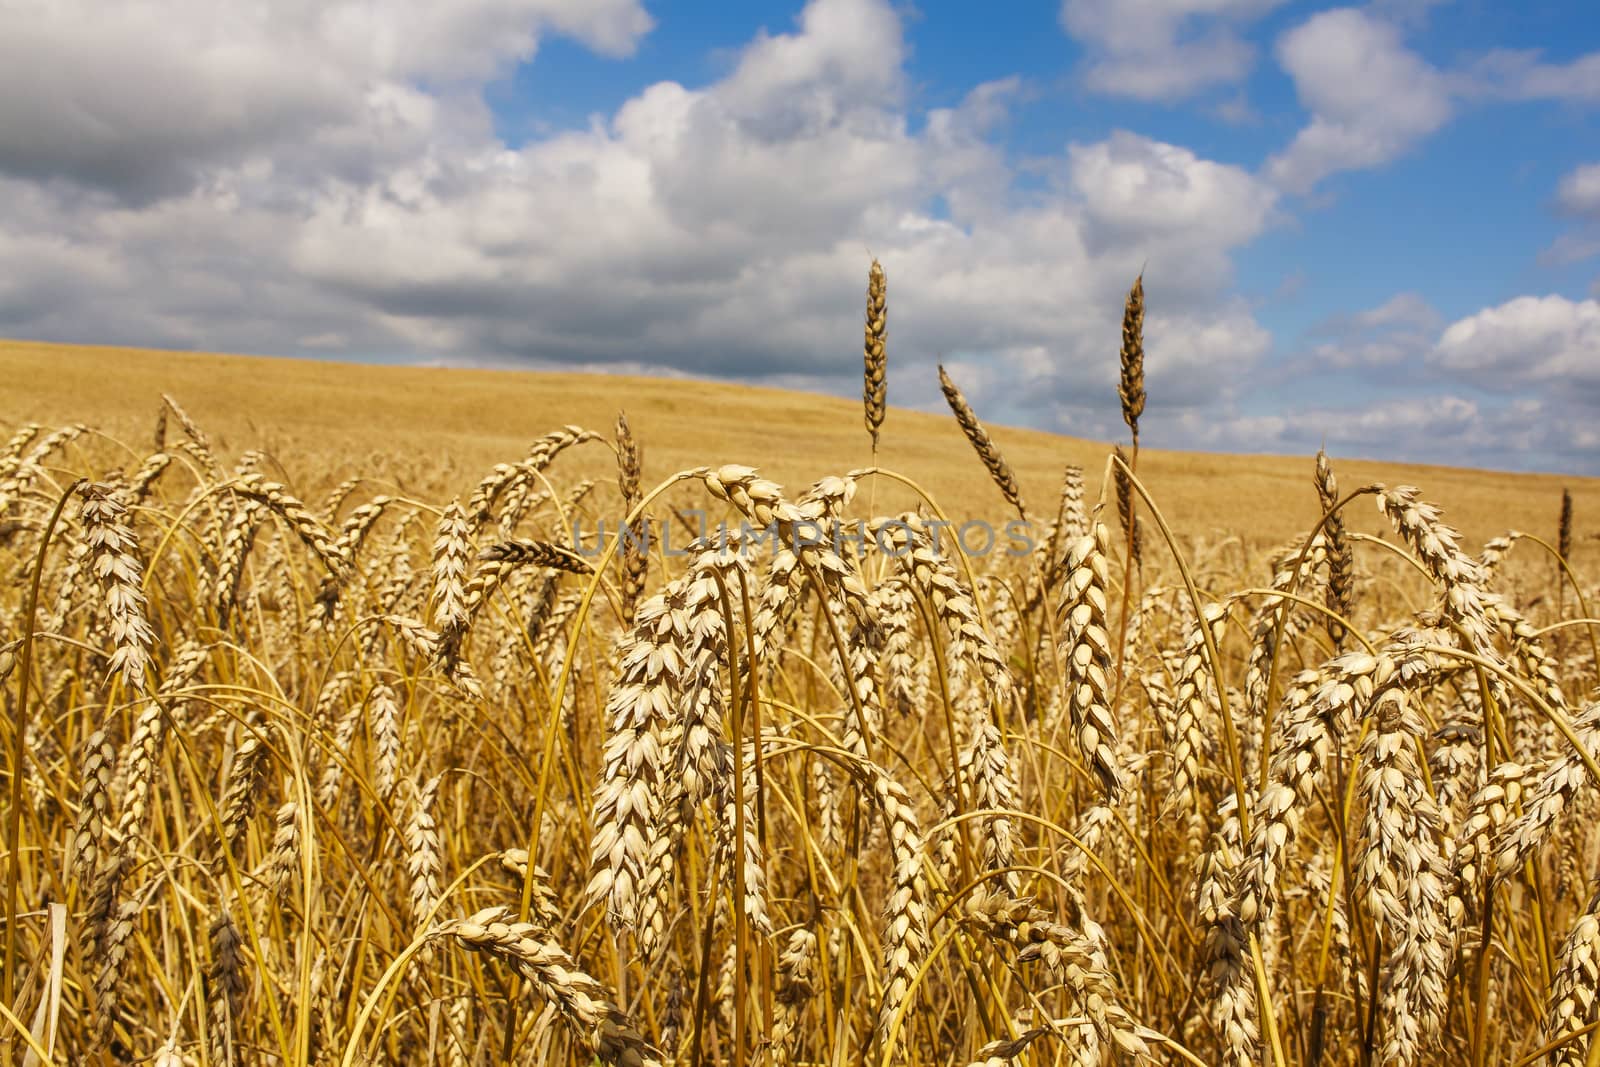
x=410 y=716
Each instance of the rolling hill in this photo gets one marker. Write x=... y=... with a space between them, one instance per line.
x=432 y=432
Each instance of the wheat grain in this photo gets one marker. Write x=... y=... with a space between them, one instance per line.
x=1564 y=526
x=112 y=560
x=306 y=526
x=1570 y=1006
x=905 y=936
x=874 y=392
x=451 y=554
x=1402 y=876
x=1130 y=387
x=1070 y=954
x=978 y=437
x=1556 y=789
x=383 y=716
x=190 y=428
x=642 y=713
x=587 y=1006
x=1086 y=649
x=94 y=805
x=283 y=861
x=635 y=558
x=797 y=985
x=422 y=851
x=244 y=777
x=11 y=451
x=1340 y=597
x=225 y=987
x=1195 y=704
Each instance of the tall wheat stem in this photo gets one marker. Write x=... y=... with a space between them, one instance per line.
x=19 y=735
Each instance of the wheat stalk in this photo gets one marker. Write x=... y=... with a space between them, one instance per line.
x=1132 y=532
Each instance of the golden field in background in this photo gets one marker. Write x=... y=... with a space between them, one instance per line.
x=435 y=431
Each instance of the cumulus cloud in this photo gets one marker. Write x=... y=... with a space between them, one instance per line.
x=717 y=229
x=1579 y=192
x=1162 y=49
x=320 y=87
x=1531 y=341
x=1370 y=97
x=1134 y=187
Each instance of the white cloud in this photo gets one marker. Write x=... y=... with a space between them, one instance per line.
x=1522 y=75
x=320 y=86
x=1579 y=192
x=1369 y=96
x=1372 y=428
x=843 y=50
x=1139 y=188
x=1162 y=49
x=1548 y=342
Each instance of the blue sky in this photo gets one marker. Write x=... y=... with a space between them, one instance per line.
x=1376 y=226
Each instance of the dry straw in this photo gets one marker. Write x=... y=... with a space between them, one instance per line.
x=1126 y=513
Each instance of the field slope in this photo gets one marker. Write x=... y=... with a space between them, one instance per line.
x=433 y=431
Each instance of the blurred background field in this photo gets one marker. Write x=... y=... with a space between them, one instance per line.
x=434 y=431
